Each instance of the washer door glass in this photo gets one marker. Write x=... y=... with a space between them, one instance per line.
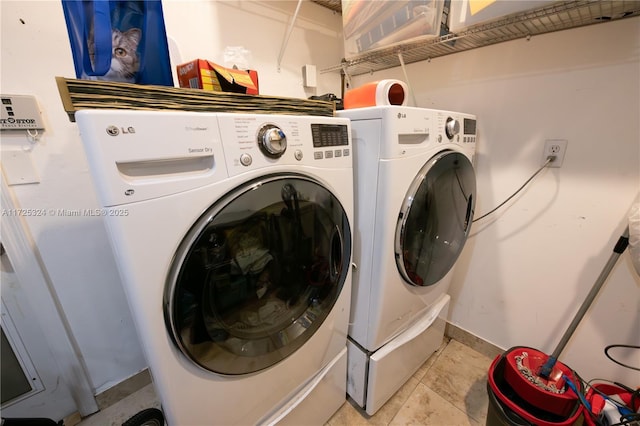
x=435 y=218
x=257 y=274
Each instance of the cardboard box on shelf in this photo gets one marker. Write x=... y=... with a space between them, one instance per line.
x=206 y=75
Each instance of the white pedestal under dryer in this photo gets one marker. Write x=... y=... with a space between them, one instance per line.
x=232 y=235
x=415 y=193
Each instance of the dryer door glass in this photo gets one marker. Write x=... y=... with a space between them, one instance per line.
x=435 y=218
x=257 y=274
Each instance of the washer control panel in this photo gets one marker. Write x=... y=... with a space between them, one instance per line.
x=253 y=141
x=330 y=141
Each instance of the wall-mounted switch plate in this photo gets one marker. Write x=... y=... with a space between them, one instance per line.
x=20 y=112
x=309 y=76
x=18 y=167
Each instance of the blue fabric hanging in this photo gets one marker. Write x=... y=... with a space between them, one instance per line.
x=119 y=40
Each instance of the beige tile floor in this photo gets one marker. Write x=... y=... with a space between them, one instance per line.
x=449 y=389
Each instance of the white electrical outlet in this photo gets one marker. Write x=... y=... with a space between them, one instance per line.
x=554 y=148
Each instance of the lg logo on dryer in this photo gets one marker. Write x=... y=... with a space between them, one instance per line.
x=115 y=131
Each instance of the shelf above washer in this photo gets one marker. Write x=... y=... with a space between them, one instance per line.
x=335 y=5
x=554 y=17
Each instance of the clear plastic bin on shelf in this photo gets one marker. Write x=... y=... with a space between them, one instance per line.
x=373 y=25
x=466 y=13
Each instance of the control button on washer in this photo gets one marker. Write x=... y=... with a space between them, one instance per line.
x=298 y=155
x=337 y=153
x=328 y=154
x=318 y=155
x=345 y=152
x=246 y=160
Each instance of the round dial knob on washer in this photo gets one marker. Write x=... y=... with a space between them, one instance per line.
x=272 y=141
x=452 y=127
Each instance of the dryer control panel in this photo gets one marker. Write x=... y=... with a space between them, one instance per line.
x=456 y=127
x=469 y=130
x=459 y=129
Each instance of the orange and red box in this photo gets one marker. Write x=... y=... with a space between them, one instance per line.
x=206 y=75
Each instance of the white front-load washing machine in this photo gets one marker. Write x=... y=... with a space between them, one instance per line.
x=232 y=235
x=414 y=202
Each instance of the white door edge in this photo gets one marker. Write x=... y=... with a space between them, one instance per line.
x=32 y=275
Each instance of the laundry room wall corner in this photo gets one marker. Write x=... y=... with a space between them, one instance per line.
x=526 y=269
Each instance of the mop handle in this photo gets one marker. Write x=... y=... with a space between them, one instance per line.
x=619 y=248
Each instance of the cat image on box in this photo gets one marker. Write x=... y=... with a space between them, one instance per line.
x=125 y=61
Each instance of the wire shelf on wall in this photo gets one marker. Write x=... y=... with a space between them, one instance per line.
x=554 y=17
x=335 y=5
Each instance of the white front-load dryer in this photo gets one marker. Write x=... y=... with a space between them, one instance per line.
x=414 y=202
x=232 y=235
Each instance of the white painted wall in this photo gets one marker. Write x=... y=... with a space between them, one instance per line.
x=526 y=270
x=204 y=28
x=75 y=251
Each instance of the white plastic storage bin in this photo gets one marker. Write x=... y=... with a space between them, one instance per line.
x=465 y=13
x=373 y=25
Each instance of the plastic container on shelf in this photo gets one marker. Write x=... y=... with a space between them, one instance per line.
x=465 y=13
x=374 y=25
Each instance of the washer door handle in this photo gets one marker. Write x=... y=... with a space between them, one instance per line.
x=468 y=218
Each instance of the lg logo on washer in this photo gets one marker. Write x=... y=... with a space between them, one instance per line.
x=115 y=131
